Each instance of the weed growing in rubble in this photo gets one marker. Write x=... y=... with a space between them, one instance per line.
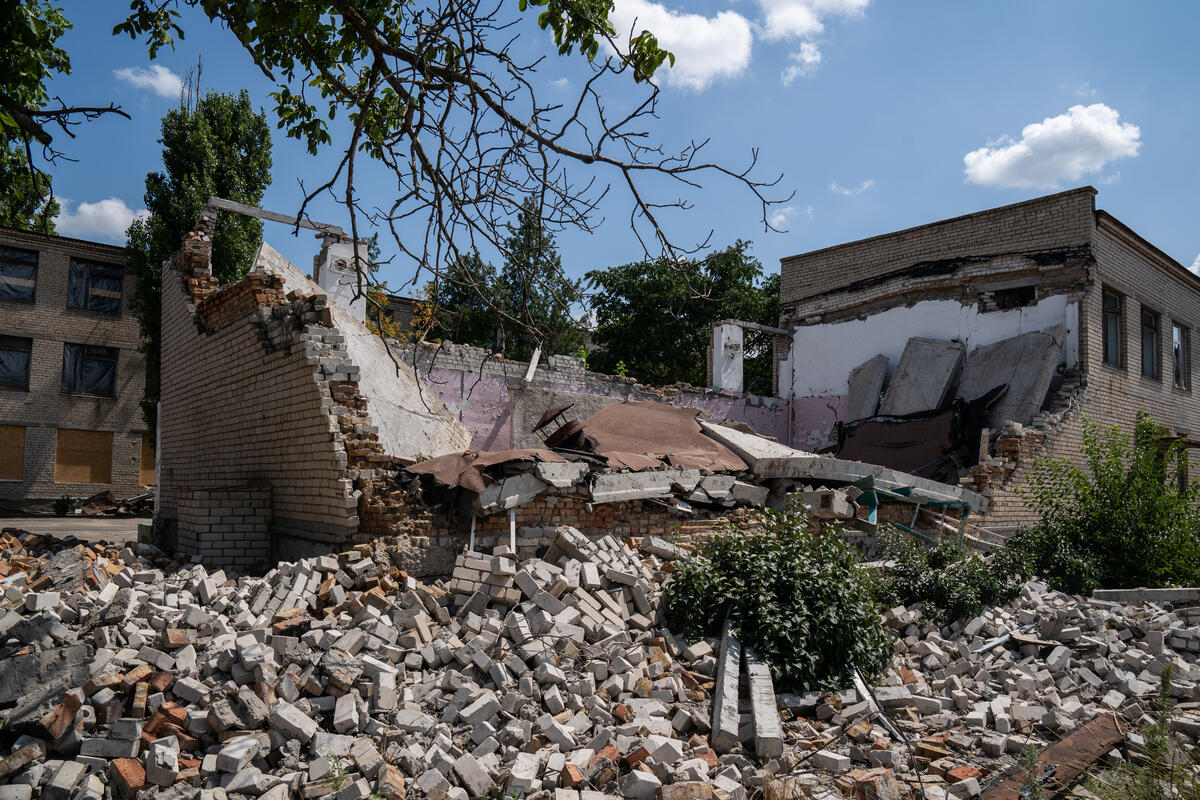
x=1124 y=521
x=62 y=505
x=338 y=776
x=797 y=596
x=1163 y=770
x=951 y=583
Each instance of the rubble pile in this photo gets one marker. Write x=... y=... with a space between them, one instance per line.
x=959 y=704
x=340 y=676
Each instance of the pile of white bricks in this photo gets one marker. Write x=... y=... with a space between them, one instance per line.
x=549 y=677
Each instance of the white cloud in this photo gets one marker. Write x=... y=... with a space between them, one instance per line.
x=156 y=78
x=836 y=188
x=1195 y=267
x=560 y=83
x=706 y=48
x=105 y=220
x=803 y=19
x=805 y=63
x=781 y=217
x=1065 y=147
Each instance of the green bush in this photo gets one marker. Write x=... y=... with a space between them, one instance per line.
x=1124 y=521
x=62 y=505
x=797 y=596
x=951 y=583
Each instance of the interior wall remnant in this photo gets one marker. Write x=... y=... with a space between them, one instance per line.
x=488 y=393
x=334 y=272
x=727 y=357
x=824 y=354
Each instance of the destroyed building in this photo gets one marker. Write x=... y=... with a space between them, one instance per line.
x=1055 y=308
x=71 y=373
x=287 y=428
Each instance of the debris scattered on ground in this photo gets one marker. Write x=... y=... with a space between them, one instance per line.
x=340 y=676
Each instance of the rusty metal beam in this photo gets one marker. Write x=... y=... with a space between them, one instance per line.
x=1065 y=760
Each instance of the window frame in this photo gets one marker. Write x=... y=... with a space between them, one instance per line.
x=1181 y=364
x=37 y=257
x=84 y=356
x=87 y=265
x=5 y=341
x=1155 y=329
x=1112 y=352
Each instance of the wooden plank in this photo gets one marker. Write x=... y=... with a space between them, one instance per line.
x=274 y=216
x=12 y=452
x=1065 y=760
x=83 y=456
x=146 y=465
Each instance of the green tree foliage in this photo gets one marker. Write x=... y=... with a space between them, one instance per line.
x=1123 y=521
x=951 y=583
x=26 y=201
x=463 y=302
x=442 y=96
x=657 y=316
x=533 y=291
x=524 y=305
x=29 y=58
x=796 y=595
x=220 y=147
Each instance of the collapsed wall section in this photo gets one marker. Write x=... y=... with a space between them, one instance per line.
x=256 y=391
x=489 y=394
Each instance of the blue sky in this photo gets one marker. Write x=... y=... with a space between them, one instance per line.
x=879 y=115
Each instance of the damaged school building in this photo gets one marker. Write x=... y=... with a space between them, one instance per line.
x=919 y=375
x=287 y=428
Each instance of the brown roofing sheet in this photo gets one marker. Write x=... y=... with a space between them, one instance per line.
x=466 y=469
x=643 y=435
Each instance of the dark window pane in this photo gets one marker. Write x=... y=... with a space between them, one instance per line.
x=89 y=370
x=14 y=362
x=94 y=287
x=72 y=355
x=1112 y=329
x=1149 y=344
x=77 y=285
x=99 y=377
x=18 y=274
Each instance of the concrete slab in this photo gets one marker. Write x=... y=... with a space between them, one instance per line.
x=768 y=459
x=925 y=377
x=623 y=486
x=768 y=731
x=1026 y=363
x=725 y=719
x=866 y=385
x=512 y=491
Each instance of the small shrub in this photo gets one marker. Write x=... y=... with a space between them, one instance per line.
x=62 y=505
x=797 y=596
x=951 y=583
x=1123 y=522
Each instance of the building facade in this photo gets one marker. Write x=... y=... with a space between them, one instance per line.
x=1122 y=313
x=71 y=374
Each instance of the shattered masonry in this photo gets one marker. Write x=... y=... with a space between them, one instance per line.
x=991 y=281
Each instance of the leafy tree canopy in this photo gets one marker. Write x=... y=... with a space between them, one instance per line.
x=26 y=201
x=525 y=305
x=220 y=147
x=656 y=317
x=440 y=96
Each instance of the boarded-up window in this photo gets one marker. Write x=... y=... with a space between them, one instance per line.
x=147 y=468
x=12 y=453
x=83 y=457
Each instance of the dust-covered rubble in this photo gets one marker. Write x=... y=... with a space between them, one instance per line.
x=339 y=676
